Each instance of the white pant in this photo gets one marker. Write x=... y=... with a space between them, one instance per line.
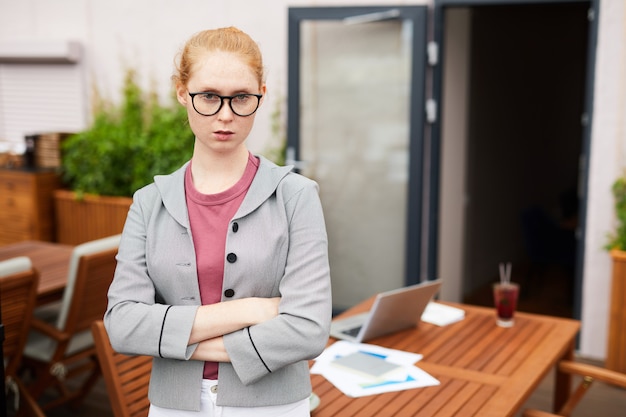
x=209 y=408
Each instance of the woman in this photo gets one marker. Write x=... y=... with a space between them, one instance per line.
x=222 y=272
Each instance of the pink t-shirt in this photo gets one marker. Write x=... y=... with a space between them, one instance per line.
x=209 y=217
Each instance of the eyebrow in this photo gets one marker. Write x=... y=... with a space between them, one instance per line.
x=222 y=92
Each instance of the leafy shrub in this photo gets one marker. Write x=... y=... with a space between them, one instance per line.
x=127 y=145
x=617 y=240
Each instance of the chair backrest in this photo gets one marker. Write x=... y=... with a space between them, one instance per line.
x=126 y=377
x=18 y=293
x=91 y=270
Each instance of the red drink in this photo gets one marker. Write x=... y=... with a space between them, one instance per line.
x=505 y=298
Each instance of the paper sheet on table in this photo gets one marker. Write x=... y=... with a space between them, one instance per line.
x=441 y=314
x=407 y=376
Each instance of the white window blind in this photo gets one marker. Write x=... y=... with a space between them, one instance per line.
x=40 y=97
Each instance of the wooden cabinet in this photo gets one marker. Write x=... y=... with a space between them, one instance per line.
x=26 y=205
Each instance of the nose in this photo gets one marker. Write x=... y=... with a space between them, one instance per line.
x=225 y=112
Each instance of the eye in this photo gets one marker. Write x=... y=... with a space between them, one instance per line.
x=241 y=98
x=209 y=97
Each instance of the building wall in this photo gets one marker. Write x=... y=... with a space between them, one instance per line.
x=607 y=162
x=146 y=34
x=454 y=154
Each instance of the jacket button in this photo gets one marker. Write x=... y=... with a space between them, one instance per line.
x=229 y=293
x=231 y=257
x=235 y=227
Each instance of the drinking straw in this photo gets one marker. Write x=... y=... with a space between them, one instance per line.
x=505 y=273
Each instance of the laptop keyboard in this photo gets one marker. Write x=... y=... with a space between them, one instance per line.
x=352 y=332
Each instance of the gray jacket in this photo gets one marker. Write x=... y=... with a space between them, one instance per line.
x=279 y=240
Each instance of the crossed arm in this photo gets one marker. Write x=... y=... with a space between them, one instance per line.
x=215 y=320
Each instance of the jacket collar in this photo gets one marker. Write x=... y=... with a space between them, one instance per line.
x=172 y=189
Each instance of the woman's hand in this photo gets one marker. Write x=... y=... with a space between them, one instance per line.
x=212 y=350
x=218 y=319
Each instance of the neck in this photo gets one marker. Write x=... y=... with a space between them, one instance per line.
x=213 y=174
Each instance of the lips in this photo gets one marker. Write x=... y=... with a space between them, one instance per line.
x=223 y=134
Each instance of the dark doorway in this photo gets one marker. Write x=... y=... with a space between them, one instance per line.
x=524 y=143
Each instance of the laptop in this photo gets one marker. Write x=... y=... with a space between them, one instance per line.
x=392 y=311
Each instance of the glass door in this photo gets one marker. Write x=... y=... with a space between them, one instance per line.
x=355 y=125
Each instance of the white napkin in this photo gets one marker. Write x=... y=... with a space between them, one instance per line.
x=442 y=315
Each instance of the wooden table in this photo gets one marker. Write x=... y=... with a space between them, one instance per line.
x=484 y=370
x=51 y=261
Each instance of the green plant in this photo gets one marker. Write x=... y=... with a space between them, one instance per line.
x=617 y=239
x=127 y=145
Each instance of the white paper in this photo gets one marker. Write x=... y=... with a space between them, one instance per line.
x=407 y=376
x=441 y=314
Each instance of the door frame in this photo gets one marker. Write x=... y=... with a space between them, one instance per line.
x=419 y=16
x=587 y=117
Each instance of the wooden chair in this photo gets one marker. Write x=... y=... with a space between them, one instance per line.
x=18 y=292
x=126 y=377
x=589 y=373
x=60 y=351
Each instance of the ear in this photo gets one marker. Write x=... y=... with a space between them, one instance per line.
x=181 y=94
x=264 y=92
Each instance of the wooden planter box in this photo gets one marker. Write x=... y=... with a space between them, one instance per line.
x=93 y=217
x=616 y=350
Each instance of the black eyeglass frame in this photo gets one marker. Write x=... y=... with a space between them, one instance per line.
x=230 y=103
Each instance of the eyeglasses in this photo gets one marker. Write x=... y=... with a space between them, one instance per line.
x=208 y=104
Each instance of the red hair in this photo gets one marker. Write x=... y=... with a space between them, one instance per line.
x=229 y=39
